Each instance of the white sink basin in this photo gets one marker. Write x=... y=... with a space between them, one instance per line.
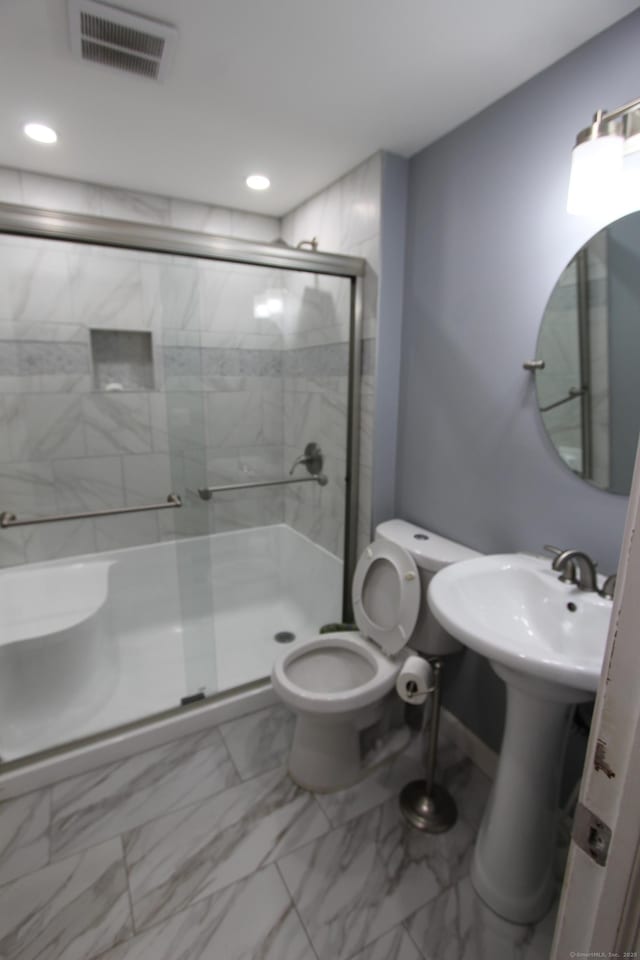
x=513 y=609
x=546 y=640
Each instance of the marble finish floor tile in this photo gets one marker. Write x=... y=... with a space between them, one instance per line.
x=260 y=741
x=361 y=880
x=396 y=945
x=253 y=919
x=197 y=850
x=381 y=784
x=24 y=835
x=456 y=925
x=71 y=910
x=468 y=785
x=112 y=799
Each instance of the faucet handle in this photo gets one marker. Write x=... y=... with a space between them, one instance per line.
x=608 y=587
x=548 y=548
x=312 y=459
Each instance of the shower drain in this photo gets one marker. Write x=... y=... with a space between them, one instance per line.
x=284 y=636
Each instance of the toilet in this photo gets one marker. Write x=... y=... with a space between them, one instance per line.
x=335 y=683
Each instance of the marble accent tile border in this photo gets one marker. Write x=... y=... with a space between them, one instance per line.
x=236 y=362
x=181 y=361
x=328 y=360
x=26 y=358
x=9 y=361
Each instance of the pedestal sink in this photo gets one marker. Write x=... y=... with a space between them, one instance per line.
x=546 y=640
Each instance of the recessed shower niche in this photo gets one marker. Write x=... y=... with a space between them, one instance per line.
x=122 y=360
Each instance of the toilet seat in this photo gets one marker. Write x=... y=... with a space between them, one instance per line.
x=297 y=693
x=386 y=595
x=335 y=672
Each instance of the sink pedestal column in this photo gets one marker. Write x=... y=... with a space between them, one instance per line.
x=513 y=862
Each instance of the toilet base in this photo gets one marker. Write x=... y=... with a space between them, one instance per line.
x=325 y=755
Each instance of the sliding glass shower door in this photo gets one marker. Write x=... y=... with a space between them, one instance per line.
x=263 y=379
x=165 y=406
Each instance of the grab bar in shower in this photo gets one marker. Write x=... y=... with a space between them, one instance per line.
x=8 y=519
x=574 y=393
x=206 y=493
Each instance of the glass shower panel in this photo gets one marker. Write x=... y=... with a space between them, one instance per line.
x=95 y=607
x=126 y=376
x=274 y=363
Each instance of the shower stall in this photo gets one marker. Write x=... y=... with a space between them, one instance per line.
x=178 y=468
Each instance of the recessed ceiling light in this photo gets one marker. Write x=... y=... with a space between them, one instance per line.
x=258 y=182
x=40 y=132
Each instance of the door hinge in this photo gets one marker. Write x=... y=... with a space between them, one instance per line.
x=591 y=834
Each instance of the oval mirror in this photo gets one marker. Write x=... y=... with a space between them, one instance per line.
x=589 y=340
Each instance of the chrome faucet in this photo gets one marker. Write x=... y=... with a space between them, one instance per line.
x=577 y=567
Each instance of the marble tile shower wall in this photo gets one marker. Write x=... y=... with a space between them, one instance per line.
x=345 y=218
x=216 y=407
x=255 y=391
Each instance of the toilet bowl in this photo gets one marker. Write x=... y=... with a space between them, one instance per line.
x=336 y=683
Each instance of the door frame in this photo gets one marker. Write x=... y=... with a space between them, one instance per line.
x=599 y=910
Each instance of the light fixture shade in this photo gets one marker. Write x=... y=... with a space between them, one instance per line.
x=596 y=169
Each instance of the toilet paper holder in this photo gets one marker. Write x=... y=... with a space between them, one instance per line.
x=415 y=692
x=425 y=804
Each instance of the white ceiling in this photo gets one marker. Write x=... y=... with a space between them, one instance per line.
x=300 y=90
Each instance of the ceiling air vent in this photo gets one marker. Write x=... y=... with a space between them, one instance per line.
x=116 y=38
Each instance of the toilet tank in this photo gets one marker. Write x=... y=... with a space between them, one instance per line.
x=431 y=553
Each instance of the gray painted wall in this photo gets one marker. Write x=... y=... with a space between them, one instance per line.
x=488 y=236
x=393 y=229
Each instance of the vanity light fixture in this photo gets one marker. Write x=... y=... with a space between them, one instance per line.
x=257 y=181
x=40 y=132
x=603 y=158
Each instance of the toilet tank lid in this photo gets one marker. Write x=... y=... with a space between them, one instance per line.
x=432 y=553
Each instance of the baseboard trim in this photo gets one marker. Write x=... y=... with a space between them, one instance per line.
x=469 y=743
